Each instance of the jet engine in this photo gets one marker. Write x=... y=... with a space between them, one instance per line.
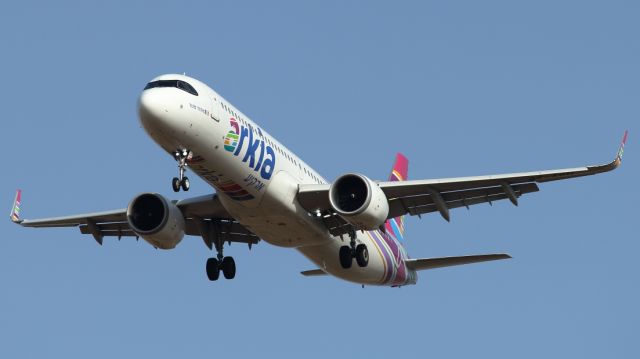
x=156 y=220
x=359 y=200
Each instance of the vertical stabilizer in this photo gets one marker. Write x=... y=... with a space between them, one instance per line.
x=399 y=172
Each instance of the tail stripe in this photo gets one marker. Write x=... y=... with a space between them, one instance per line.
x=15 y=211
x=621 y=150
x=395 y=228
x=397 y=175
x=399 y=172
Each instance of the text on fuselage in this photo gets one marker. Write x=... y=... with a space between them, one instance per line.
x=260 y=156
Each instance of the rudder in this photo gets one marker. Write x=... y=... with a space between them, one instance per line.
x=399 y=172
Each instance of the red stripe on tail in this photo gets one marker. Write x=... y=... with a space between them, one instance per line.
x=399 y=172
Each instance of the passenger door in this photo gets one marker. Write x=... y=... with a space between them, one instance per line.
x=215 y=110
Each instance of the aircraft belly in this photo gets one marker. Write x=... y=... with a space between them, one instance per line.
x=279 y=219
x=386 y=261
x=326 y=258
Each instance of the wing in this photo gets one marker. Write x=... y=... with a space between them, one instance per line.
x=199 y=212
x=440 y=195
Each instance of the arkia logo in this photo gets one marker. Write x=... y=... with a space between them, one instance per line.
x=260 y=156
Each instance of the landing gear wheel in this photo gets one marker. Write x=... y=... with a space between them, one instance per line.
x=175 y=183
x=228 y=267
x=213 y=270
x=184 y=184
x=346 y=259
x=182 y=156
x=362 y=255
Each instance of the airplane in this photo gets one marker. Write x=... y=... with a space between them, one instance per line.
x=263 y=191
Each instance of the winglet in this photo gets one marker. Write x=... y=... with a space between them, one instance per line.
x=618 y=159
x=15 y=210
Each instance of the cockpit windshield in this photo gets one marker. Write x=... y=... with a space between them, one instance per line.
x=172 y=83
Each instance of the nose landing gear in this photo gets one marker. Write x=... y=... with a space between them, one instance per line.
x=182 y=181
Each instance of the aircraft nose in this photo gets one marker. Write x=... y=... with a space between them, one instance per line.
x=156 y=111
x=151 y=108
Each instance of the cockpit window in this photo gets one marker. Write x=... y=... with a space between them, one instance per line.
x=172 y=83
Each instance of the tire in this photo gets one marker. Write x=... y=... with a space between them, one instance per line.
x=175 y=183
x=185 y=183
x=213 y=270
x=362 y=255
x=228 y=267
x=345 y=257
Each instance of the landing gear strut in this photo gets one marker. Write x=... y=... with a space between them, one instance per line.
x=182 y=181
x=223 y=264
x=359 y=252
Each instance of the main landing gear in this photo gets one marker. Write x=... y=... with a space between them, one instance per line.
x=359 y=252
x=226 y=265
x=223 y=264
x=182 y=181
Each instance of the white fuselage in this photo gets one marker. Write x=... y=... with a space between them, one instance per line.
x=257 y=179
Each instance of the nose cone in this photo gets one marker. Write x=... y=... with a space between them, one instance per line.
x=151 y=107
x=157 y=110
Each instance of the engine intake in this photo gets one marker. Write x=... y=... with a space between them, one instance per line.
x=156 y=220
x=359 y=200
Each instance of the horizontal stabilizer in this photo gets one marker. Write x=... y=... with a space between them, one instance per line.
x=432 y=263
x=313 y=272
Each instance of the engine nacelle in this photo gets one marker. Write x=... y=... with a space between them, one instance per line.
x=156 y=220
x=359 y=200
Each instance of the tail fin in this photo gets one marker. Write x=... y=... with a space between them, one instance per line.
x=15 y=211
x=399 y=172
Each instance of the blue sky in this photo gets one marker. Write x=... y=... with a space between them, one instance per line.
x=460 y=87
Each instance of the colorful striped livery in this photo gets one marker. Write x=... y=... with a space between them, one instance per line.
x=15 y=211
x=621 y=150
x=234 y=191
x=399 y=172
x=394 y=255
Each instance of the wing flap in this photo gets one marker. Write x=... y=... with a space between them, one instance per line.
x=433 y=263
x=124 y=232
x=420 y=204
